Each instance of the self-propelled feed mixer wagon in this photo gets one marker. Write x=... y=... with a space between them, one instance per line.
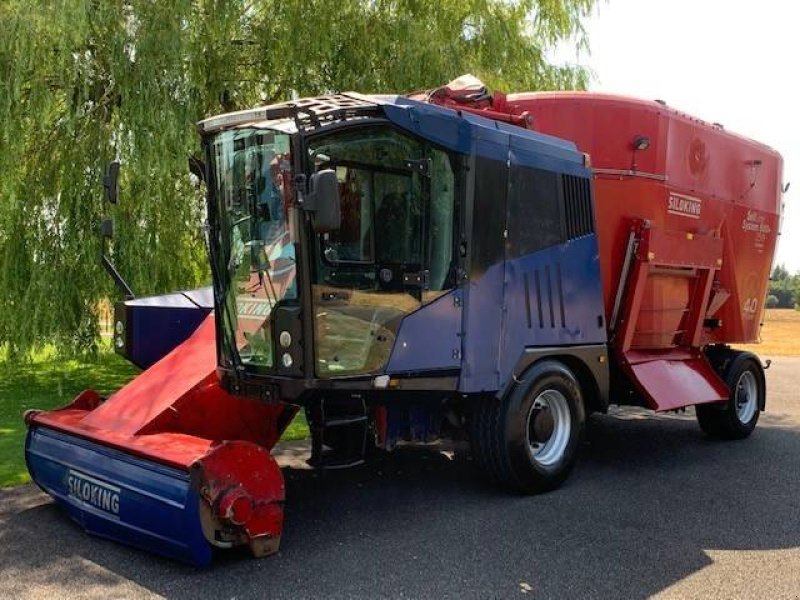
x=452 y=264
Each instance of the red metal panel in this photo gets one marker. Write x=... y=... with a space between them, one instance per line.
x=694 y=178
x=157 y=389
x=673 y=381
x=633 y=303
x=681 y=249
x=697 y=309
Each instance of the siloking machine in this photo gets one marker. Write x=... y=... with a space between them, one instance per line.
x=453 y=264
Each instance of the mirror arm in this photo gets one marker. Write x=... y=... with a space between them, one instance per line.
x=121 y=284
x=107 y=233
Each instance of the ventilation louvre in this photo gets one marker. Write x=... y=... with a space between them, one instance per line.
x=578 y=218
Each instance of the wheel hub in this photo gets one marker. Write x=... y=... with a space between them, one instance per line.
x=542 y=425
x=549 y=427
x=746 y=398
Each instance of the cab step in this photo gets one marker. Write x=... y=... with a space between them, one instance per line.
x=339 y=428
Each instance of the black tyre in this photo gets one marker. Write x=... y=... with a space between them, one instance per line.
x=736 y=418
x=528 y=441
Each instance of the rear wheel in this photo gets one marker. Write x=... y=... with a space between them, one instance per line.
x=528 y=441
x=735 y=419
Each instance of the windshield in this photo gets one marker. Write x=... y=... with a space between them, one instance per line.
x=394 y=250
x=255 y=264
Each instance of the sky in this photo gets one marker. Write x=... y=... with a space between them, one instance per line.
x=735 y=63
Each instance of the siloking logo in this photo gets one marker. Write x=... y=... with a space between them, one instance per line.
x=684 y=206
x=93 y=492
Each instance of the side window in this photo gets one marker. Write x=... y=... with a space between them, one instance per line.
x=534 y=215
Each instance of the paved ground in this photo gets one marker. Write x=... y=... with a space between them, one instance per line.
x=653 y=508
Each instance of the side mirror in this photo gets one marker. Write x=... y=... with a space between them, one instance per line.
x=111 y=181
x=324 y=202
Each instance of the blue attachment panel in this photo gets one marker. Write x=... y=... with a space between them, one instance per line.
x=552 y=297
x=429 y=338
x=118 y=496
x=156 y=325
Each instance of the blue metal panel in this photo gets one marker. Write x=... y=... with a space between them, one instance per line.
x=448 y=128
x=155 y=332
x=484 y=301
x=429 y=338
x=439 y=126
x=553 y=297
x=527 y=152
x=155 y=325
x=568 y=275
x=118 y=496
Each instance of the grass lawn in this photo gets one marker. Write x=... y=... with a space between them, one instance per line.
x=49 y=382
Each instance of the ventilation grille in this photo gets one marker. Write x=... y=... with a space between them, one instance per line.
x=578 y=218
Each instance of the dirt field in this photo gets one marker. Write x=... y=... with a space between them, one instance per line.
x=780 y=335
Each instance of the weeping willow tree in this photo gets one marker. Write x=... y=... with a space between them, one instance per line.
x=86 y=81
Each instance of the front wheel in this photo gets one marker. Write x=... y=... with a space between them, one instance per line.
x=528 y=441
x=736 y=419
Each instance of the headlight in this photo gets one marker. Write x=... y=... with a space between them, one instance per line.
x=285 y=339
x=287 y=360
x=119 y=337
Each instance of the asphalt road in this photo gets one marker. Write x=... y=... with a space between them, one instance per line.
x=652 y=509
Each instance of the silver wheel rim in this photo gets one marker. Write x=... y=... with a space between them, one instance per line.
x=549 y=426
x=746 y=397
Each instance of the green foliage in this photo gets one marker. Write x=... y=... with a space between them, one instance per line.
x=784 y=289
x=85 y=81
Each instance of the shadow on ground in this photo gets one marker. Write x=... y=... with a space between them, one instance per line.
x=649 y=495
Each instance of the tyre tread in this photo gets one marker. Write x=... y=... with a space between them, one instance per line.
x=491 y=450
